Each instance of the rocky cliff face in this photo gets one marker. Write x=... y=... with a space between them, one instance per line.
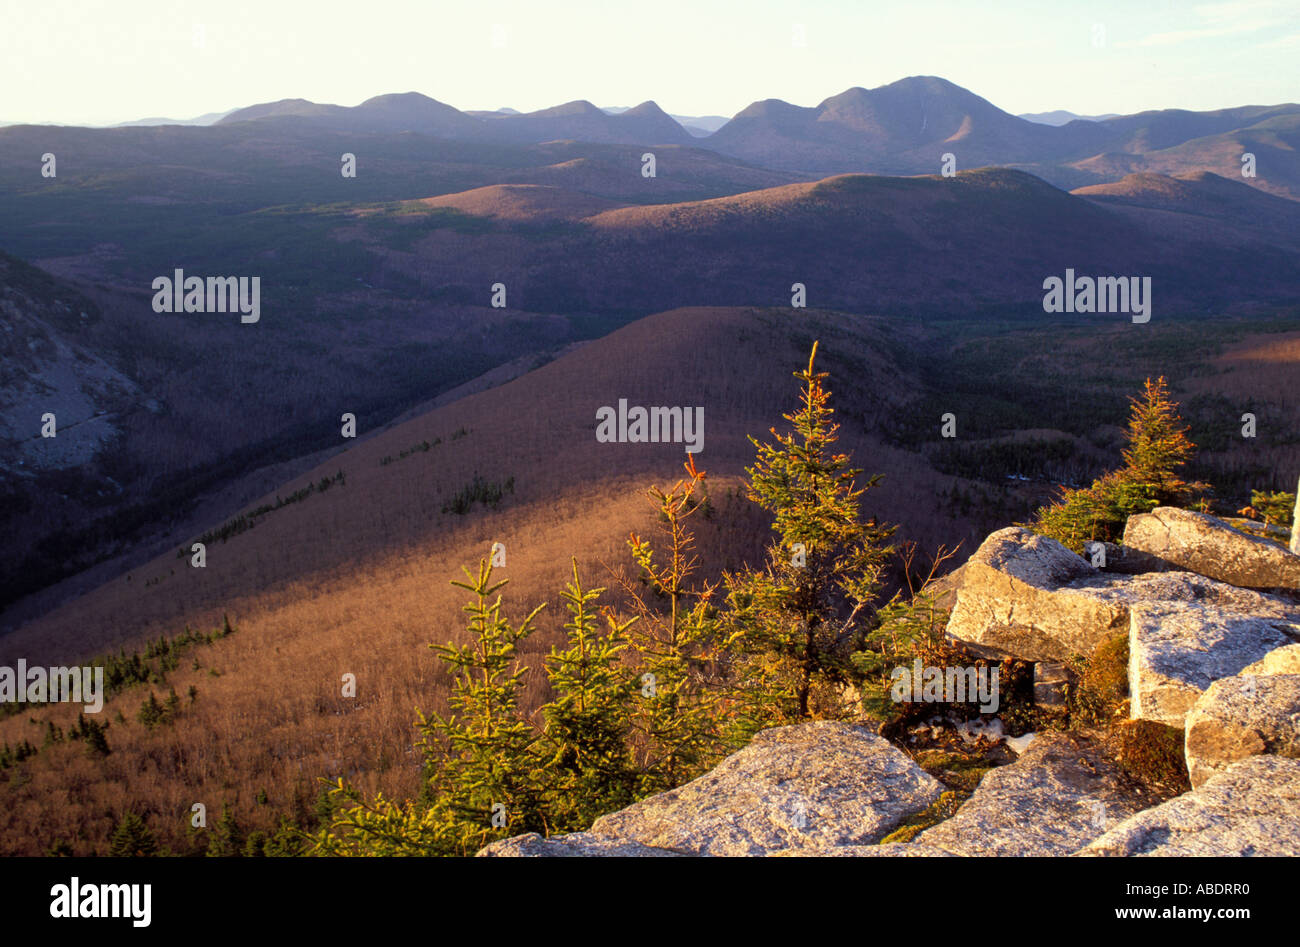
x=1213 y=625
x=46 y=368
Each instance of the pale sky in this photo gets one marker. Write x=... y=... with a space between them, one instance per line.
x=103 y=61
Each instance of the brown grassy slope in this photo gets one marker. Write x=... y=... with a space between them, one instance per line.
x=355 y=580
x=538 y=428
x=523 y=202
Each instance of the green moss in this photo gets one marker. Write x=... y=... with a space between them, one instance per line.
x=962 y=773
x=943 y=808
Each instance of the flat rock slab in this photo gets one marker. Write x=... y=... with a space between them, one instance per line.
x=1127 y=591
x=1178 y=649
x=1059 y=796
x=574 y=845
x=1239 y=717
x=1196 y=542
x=1252 y=808
x=811 y=786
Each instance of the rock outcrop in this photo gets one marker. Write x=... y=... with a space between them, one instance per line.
x=1178 y=649
x=1195 y=542
x=1218 y=660
x=1059 y=796
x=1010 y=600
x=887 y=850
x=811 y=786
x=1239 y=717
x=1249 y=809
x=1028 y=597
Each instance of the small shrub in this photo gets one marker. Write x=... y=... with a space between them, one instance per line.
x=1275 y=509
x=1102 y=687
x=478 y=490
x=1153 y=754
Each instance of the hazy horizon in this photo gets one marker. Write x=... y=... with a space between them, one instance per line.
x=692 y=59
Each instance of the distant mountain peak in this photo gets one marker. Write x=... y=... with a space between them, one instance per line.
x=648 y=107
x=398 y=98
x=576 y=107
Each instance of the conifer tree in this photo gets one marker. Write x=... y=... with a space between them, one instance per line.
x=378 y=827
x=151 y=712
x=132 y=838
x=796 y=622
x=1158 y=446
x=480 y=761
x=676 y=720
x=912 y=624
x=255 y=844
x=588 y=725
x=93 y=734
x=288 y=840
x=227 y=839
x=1274 y=508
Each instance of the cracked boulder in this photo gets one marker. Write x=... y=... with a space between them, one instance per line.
x=1058 y=796
x=1248 y=809
x=1027 y=596
x=1239 y=717
x=1178 y=649
x=1010 y=600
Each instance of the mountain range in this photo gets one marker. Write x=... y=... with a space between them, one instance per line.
x=901 y=128
x=904 y=127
